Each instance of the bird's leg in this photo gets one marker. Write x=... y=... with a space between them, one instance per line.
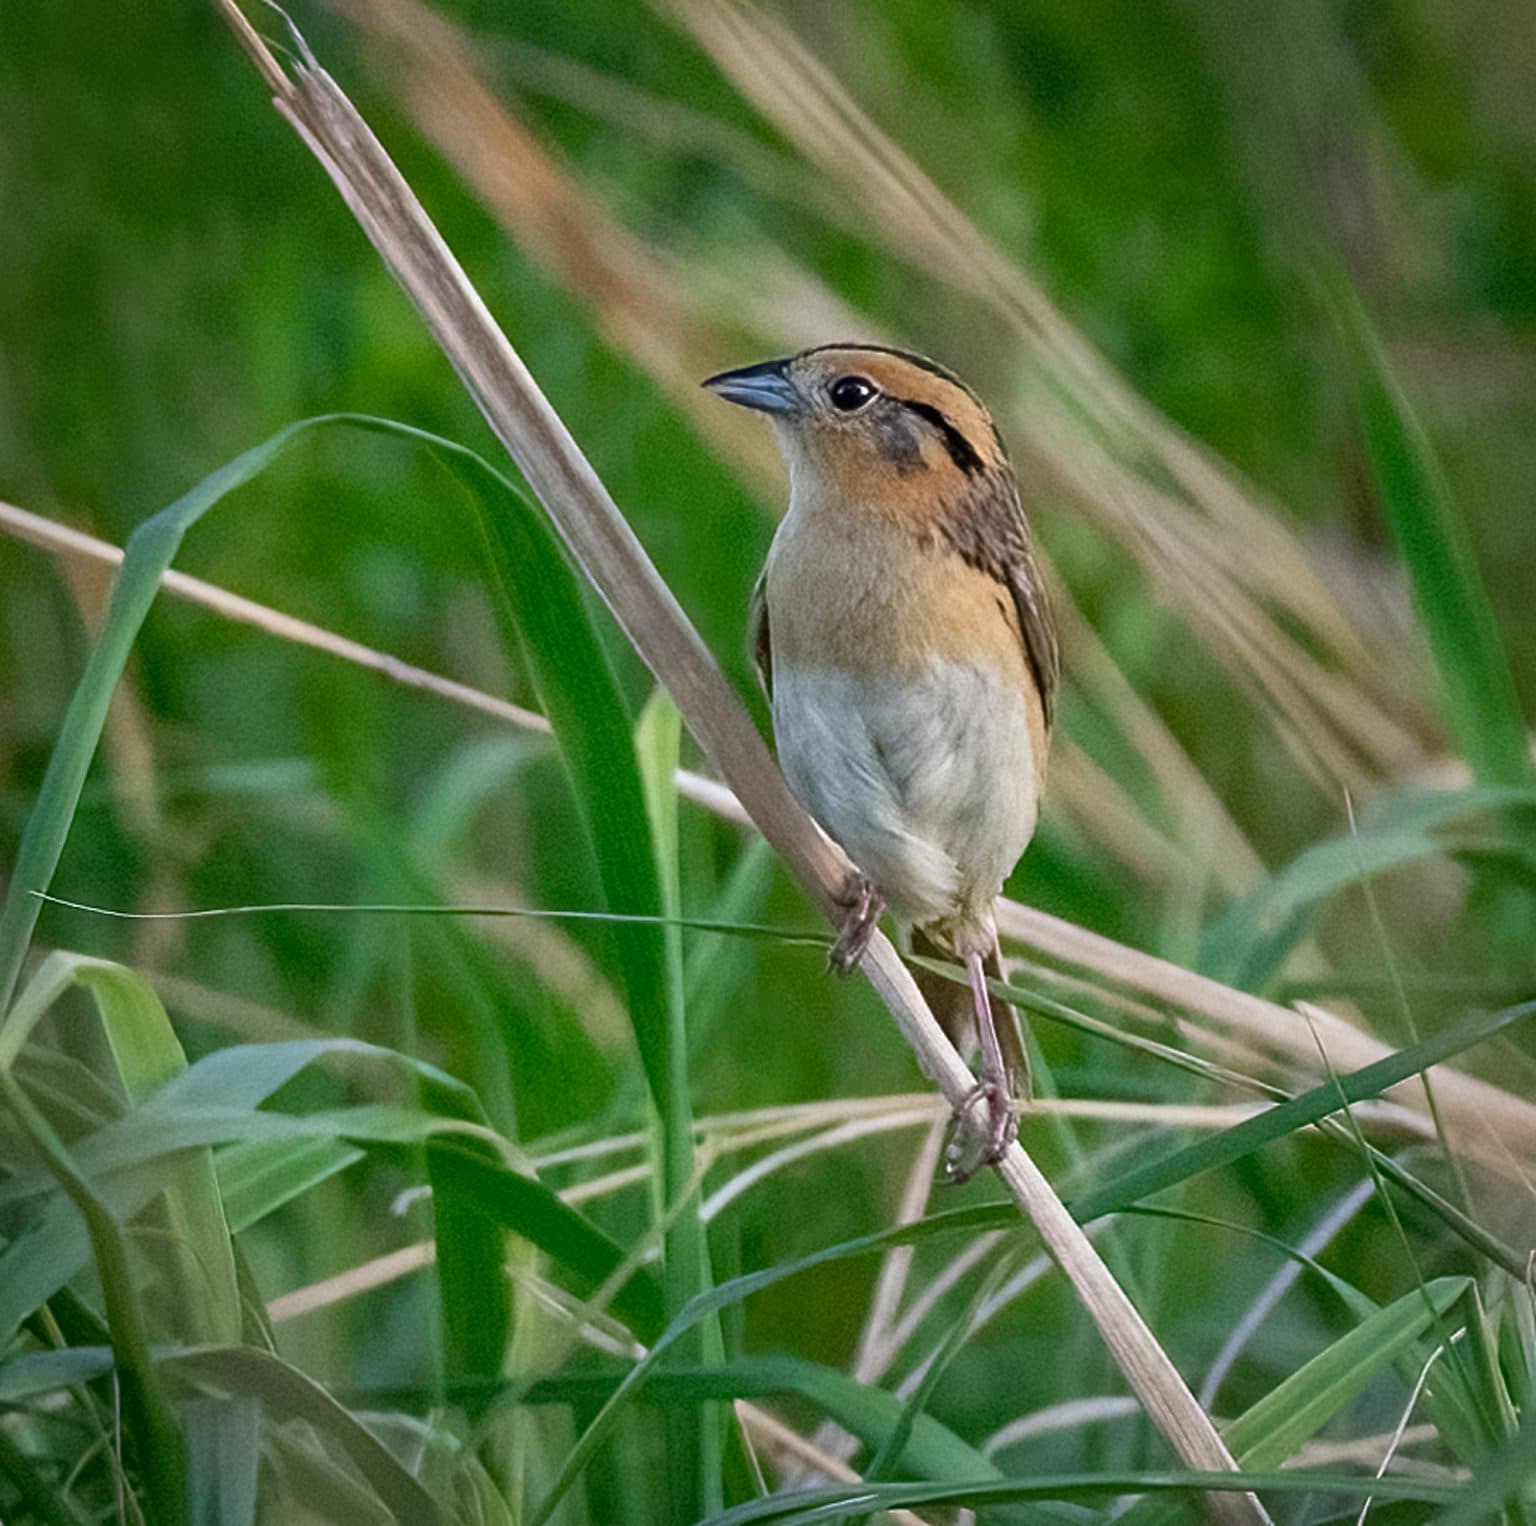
x=859 y=906
x=1001 y=1128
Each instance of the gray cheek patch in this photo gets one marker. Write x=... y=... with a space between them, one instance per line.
x=898 y=437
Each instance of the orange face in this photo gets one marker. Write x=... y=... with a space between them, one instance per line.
x=880 y=430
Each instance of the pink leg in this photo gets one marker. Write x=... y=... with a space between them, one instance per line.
x=1002 y=1127
x=861 y=907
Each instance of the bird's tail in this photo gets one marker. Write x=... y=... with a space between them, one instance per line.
x=951 y=1003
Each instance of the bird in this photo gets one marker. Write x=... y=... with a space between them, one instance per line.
x=903 y=634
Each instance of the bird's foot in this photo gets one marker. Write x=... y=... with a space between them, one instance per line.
x=976 y=1142
x=859 y=906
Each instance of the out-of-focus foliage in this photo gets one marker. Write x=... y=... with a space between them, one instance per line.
x=179 y=281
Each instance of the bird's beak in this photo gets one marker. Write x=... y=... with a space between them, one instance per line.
x=764 y=387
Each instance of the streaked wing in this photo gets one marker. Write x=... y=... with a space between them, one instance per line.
x=1037 y=625
x=987 y=529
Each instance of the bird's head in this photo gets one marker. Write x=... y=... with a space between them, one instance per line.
x=865 y=424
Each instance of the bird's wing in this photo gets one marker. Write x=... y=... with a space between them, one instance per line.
x=1037 y=625
x=759 y=643
x=988 y=529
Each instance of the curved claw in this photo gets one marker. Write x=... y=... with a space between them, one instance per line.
x=861 y=907
x=987 y=1142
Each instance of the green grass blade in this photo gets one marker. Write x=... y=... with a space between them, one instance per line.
x=892 y=1451
x=1292 y=1412
x=1285 y=1118
x=258 y=1178
x=844 y=1501
x=198 y=1256
x=919 y=1444
x=472 y=1283
x=694 y=1434
x=725 y=1294
x=223 y=1457
x=223 y=1088
x=1499 y=1481
x=220 y=1098
x=530 y=1209
x=38 y=1495
x=35 y=1373
x=1477 y=687
x=146 y=557
x=286 y=1394
x=545 y=617
x=1250 y=942
x=147 y=1412
x=716 y=967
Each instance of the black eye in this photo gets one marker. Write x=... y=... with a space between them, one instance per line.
x=850 y=392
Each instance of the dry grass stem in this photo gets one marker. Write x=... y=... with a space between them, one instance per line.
x=356 y=1280
x=607 y=549
x=794 y=1454
x=1058 y=1417
x=1487 y=1121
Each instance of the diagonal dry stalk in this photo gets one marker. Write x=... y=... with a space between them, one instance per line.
x=607 y=549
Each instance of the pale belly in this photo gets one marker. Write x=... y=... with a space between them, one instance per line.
x=929 y=785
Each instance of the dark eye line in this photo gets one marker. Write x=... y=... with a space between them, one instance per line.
x=961 y=451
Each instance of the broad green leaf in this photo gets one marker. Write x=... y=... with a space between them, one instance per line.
x=257 y=1177
x=35 y=1373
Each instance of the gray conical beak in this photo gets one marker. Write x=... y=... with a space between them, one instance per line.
x=764 y=387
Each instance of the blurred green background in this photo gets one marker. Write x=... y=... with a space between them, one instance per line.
x=178 y=280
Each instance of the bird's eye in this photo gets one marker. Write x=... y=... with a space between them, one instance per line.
x=849 y=393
